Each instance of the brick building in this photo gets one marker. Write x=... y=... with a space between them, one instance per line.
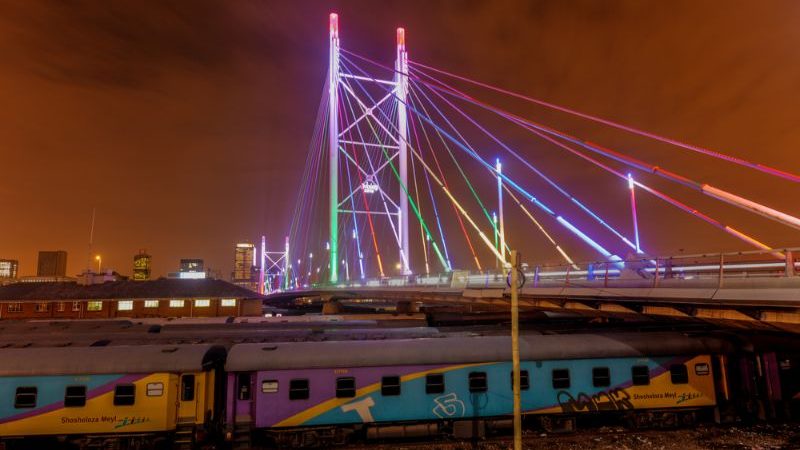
x=156 y=298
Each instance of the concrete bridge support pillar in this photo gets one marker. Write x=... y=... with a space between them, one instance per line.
x=790 y=271
x=407 y=307
x=332 y=307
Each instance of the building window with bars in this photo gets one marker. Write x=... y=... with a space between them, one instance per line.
x=94 y=306
x=125 y=305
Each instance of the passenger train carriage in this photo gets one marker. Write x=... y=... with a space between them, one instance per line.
x=132 y=394
x=323 y=393
x=296 y=393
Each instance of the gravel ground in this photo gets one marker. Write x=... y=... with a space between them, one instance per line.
x=757 y=437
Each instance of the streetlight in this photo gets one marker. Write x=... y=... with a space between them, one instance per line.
x=99 y=263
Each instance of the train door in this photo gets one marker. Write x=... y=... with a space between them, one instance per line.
x=187 y=396
x=244 y=397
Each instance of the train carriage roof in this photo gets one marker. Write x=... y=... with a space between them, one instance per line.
x=463 y=350
x=99 y=360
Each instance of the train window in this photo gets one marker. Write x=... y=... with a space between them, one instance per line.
x=75 y=396
x=124 y=394
x=524 y=380
x=390 y=385
x=434 y=383
x=155 y=389
x=640 y=375
x=701 y=369
x=561 y=379
x=243 y=381
x=187 y=388
x=678 y=374
x=345 y=387
x=298 y=389
x=269 y=386
x=601 y=377
x=25 y=397
x=478 y=382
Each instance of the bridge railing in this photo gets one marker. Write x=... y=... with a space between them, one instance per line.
x=697 y=270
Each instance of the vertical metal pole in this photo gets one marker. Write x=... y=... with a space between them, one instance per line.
x=263 y=261
x=631 y=186
x=499 y=169
x=515 y=267
x=286 y=264
x=655 y=275
x=401 y=77
x=498 y=263
x=790 y=272
x=333 y=149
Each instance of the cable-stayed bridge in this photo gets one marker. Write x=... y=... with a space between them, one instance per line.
x=413 y=179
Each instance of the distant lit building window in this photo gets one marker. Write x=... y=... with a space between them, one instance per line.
x=42 y=307
x=228 y=302
x=60 y=307
x=202 y=303
x=125 y=305
x=76 y=306
x=176 y=303
x=14 y=307
x=151 y=303
x=94 y=306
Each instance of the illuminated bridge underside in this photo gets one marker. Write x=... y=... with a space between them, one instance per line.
x=752 y=304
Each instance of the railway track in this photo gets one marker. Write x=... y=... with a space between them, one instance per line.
x=718 y=437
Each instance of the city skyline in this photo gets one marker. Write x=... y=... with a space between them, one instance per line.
x=140 y=127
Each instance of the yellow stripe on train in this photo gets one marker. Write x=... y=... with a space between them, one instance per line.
x=100 y=415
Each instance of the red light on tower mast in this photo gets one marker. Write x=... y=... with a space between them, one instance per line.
x=334 y=24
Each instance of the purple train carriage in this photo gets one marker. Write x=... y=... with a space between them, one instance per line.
x=301 y=394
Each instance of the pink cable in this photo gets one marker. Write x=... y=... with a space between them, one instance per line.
x=760 y=167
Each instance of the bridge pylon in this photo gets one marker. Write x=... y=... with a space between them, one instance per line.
x=346 y=93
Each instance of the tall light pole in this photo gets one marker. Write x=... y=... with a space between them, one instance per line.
x=286 y=264
x=499 y=169
x=99 y=260
x=333 y=147
x=515 y=369
x=263 y=263
x=632 y=187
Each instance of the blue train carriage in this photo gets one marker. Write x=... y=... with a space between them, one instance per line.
x=311 y=393
x=148 y=394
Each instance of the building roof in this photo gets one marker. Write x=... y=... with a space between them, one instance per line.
x=127 y=289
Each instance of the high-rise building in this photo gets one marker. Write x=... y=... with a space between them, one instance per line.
x=9 y=268
x=192 y=265
x=190 y=269
x=141 y=266
x=52 y=264
x=245 y=270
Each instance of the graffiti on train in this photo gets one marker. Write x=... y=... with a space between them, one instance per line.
x=614 y=399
